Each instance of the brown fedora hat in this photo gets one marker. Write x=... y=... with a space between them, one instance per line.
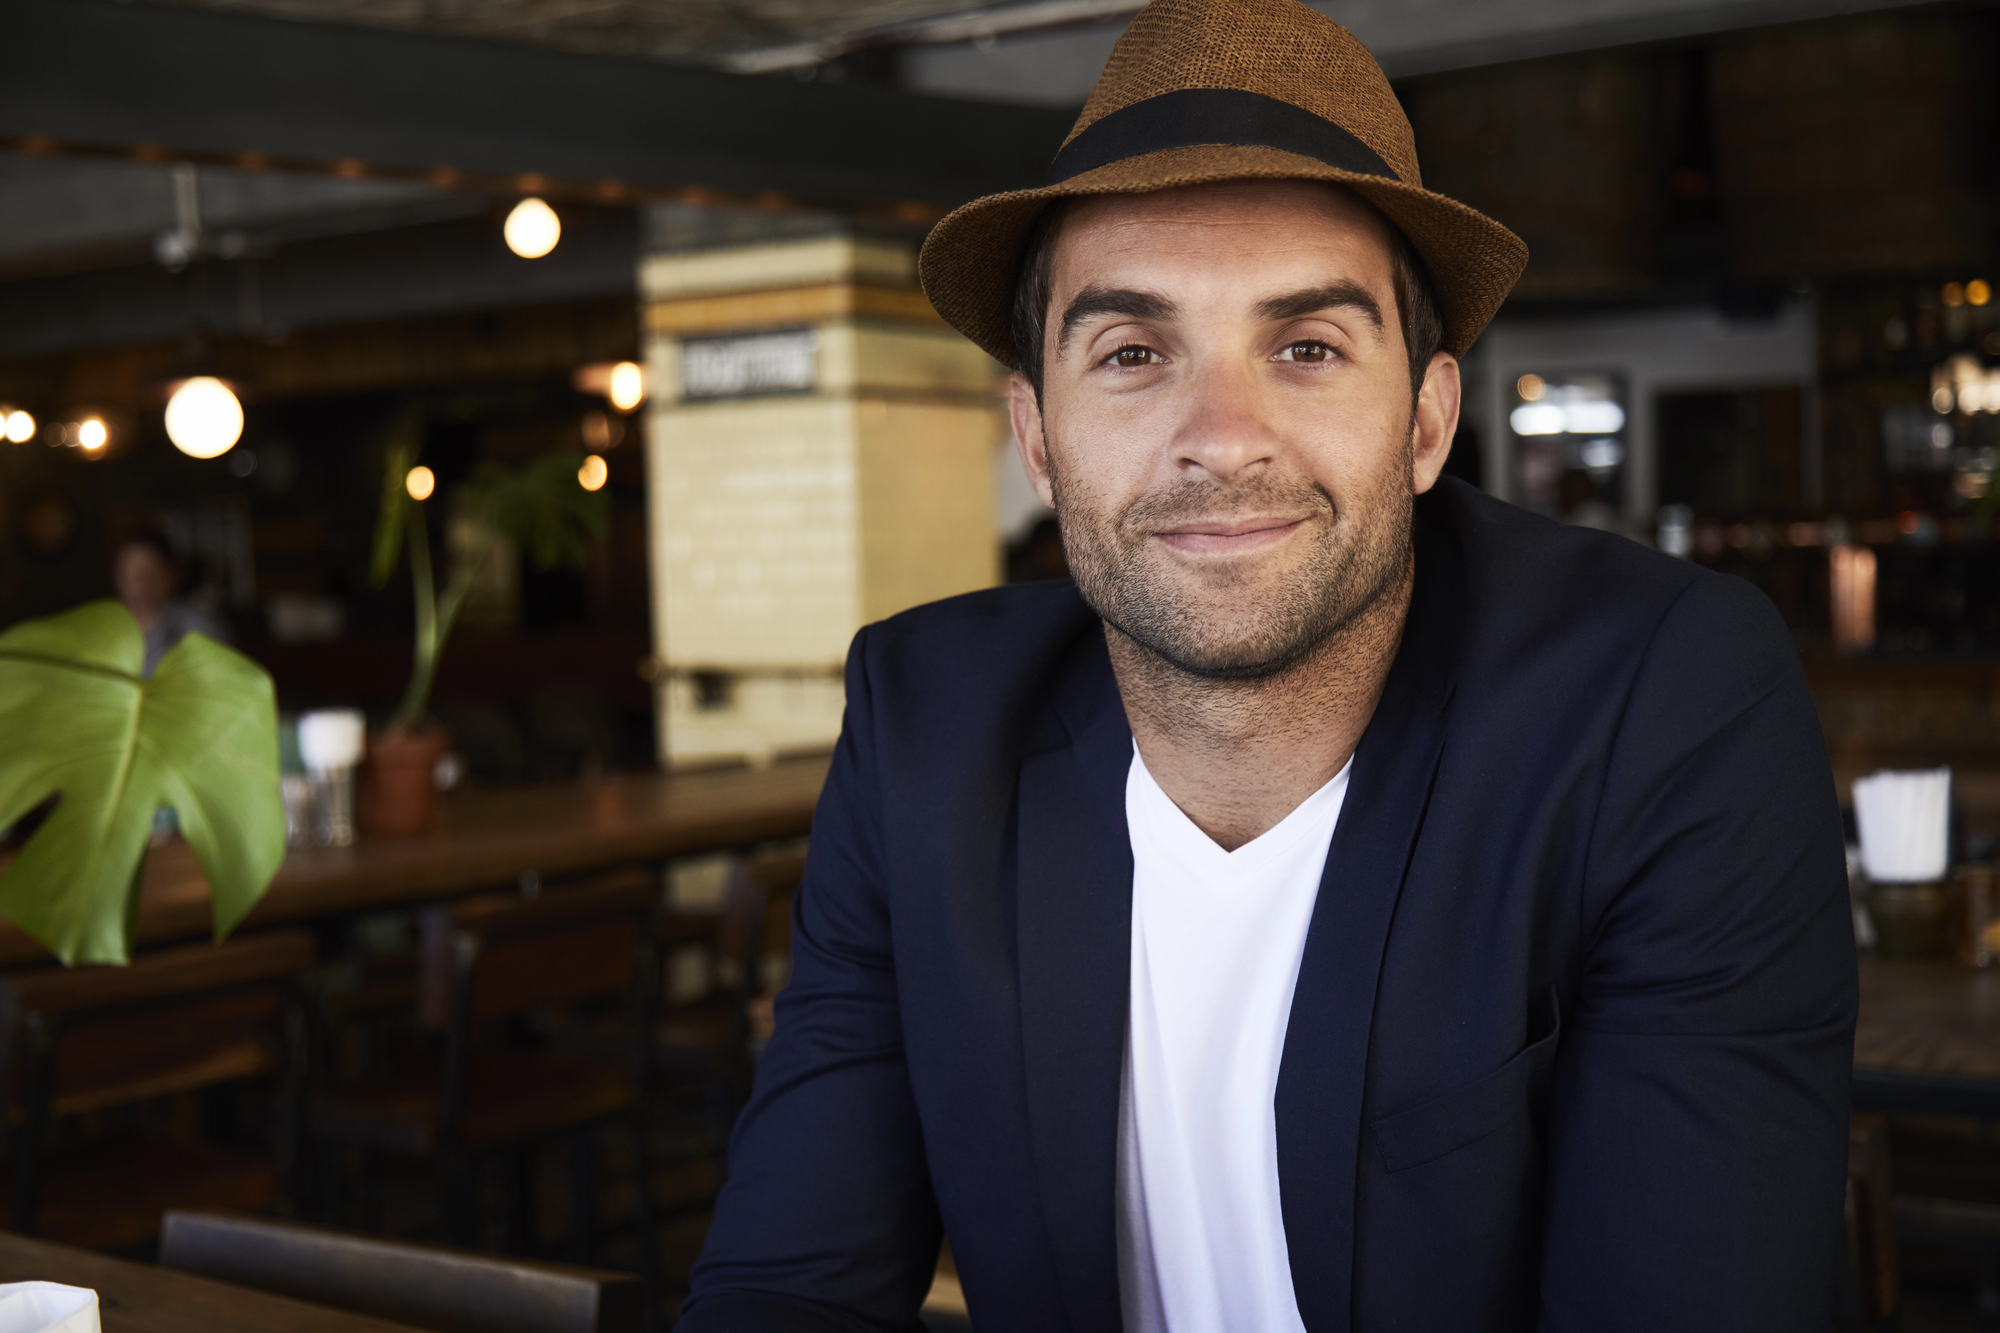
x=1215 y=90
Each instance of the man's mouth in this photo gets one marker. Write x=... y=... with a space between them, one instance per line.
x=1233 y=537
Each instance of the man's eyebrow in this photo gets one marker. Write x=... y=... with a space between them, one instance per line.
x=1311 y=301
x=1112 y=301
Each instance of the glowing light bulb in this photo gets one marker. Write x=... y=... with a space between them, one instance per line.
x=92 y=434
x=1977 y=292
x=420 y=483
x=20 y=427
x=594 y=473
x=627 y=387
x=204 y=418
x=532 y=229
x=1530 y=387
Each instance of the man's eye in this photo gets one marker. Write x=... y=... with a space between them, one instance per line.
x=1133 y=356
x=1308 y=351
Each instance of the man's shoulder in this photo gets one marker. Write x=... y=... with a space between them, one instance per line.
x=1500 y=540
x=1547 y=602
x=1522 y=567
x=981 y=644
x=1009 y=619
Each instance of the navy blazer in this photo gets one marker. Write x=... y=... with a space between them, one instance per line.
x=1571 y=1041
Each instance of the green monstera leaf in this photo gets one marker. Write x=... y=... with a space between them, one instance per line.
x=78 y=723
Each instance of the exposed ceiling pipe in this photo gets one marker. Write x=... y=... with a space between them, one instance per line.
x=978 y=25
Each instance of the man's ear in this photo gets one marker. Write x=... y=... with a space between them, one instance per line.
x=1434 y=423
x=1024 y=409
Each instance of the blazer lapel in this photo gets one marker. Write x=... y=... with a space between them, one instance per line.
x=1075 y=932
x=1322 y=1072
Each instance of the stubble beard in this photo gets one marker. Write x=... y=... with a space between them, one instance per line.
x=1359 y=559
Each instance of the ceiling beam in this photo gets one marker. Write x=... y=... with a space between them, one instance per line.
x=158 y=83
x=1507 y=30
x=1013 y=61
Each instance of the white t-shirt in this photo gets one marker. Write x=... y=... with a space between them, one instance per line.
x=1216 y=940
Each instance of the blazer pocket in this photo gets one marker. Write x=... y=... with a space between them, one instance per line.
x=1464 y=1116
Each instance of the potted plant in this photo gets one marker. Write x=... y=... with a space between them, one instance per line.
x=540 y=507
x=93 y=749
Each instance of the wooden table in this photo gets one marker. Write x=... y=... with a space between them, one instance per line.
x=1928 y=1039
x=489 y=838
x=140 y=1298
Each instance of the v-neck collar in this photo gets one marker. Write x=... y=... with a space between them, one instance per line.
x=1171 y=824
x=1073 y=863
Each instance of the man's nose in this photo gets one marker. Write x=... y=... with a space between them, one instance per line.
x=1223 y=429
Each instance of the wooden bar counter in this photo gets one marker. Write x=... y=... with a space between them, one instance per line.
x=1928 y=1039
x=1935 y=1019
x=487 y=839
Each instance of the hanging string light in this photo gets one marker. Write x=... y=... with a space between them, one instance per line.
x=532 y=229
x=627 y=386
x=204 y=417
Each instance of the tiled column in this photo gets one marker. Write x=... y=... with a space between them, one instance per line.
x=820 y=455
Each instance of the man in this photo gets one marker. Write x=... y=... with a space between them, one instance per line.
x=148 y=580
x=1351 y=904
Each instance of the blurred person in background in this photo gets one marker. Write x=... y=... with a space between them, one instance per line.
x=148 y=578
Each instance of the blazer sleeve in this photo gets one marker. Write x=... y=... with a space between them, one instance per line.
x=1698 y=1115
x=827 y=1220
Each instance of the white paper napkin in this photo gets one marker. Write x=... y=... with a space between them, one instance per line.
x=47 y=1307
x=1905 y=820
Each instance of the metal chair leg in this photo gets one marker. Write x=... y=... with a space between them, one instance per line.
x=517 y=1167
x=368 y=1189
x=583 y=1195
x=649 y=1232
x=460 y=1181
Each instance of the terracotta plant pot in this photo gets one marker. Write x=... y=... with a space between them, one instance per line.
x=399 y=798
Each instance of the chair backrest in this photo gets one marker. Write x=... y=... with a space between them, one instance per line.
x=1871 y=1240
x=184 y=1018
x=81 y=1039
x=423 y=1286
x=740 y=943
x=502 y=953
x=741 y=936
x=783 y=872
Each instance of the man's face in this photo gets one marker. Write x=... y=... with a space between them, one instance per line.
x=1226 y=429
x=144 y=581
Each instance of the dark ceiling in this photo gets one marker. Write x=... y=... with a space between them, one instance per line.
x=656 y=29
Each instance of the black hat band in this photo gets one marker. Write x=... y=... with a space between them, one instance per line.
x=1203 y=117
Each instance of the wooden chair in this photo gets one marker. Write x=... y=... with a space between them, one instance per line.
x=490 y=968
x=709 y=1042
x=423 y=1286
x=1870 y=1275
x=91 y=1039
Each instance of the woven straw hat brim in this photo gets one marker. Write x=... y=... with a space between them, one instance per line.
x=972 y=258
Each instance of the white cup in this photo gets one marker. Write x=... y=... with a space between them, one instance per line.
x=331 y=738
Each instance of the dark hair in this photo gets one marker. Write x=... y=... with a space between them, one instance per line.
x=156 y=540
x=1416 y=300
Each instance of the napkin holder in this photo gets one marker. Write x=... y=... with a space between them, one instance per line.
x=1904 y=819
